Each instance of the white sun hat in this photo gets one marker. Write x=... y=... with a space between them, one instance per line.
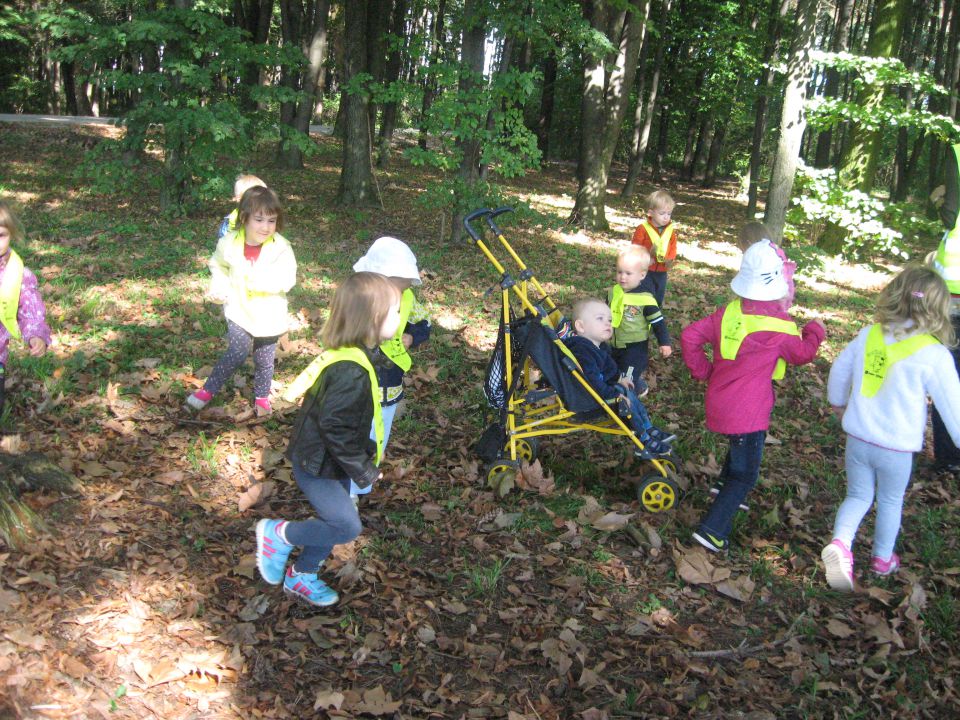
x=391 y=257
x=761 y=274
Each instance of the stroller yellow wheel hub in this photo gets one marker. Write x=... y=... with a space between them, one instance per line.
x=657 y=494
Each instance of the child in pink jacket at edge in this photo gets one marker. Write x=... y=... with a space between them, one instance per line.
x=752 y=337
x=22 y=312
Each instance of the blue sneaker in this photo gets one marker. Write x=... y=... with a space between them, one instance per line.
x=272 y=551
x=309 y=588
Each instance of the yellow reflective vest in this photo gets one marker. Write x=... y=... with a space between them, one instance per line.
x=305 y=380
x=735 y=327
x=10 y=294
x=628 y=329
x=878 y=356
x=256 y=294
x=660 y=242
x=393 y=348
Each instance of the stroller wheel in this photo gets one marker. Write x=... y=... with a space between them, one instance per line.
x=657 y=493
x=502 y=476
x=527 y=449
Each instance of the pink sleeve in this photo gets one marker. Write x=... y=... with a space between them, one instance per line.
x=803 y=349
x=693 y=341
x=32 y=314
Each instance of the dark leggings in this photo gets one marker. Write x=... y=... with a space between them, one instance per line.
x=239 y=345
x=337 y=520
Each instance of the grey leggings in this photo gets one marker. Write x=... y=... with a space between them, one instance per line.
x=337 y=520
x=239 y=345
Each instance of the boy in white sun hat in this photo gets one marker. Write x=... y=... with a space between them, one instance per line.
x=394 y=259
x=753 y=338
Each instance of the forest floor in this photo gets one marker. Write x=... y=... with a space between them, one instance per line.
x=143 y=599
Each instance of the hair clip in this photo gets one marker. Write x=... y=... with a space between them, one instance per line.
x=917 y=294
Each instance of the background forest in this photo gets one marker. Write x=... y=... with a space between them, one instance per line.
x=843 y=111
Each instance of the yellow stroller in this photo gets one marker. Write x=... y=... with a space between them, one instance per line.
x=536 y=385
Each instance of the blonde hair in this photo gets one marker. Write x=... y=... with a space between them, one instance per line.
x=358 y=310
x=660 y=200
x=580 y=308
x=918 y=293
x=636 y=254
x=8 y=219
x=259 y=199
x=244 y=183
x=751 y=233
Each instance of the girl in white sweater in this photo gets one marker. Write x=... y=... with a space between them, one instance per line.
x=879 y=385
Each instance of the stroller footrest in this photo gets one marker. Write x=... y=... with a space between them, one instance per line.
x=535 y=396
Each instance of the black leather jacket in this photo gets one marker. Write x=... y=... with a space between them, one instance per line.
x=331 y=436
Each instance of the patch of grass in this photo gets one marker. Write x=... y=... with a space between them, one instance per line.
x=412 y=519
x=397 y=549
x=942 y=616
x=932 y=536
x=649 y=606
x=202 y=455
x=565 y=505
x=484 y=580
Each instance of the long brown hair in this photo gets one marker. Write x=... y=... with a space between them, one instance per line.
x=259 y=199
x=358 y=310
x=8 y=219
x=918 y=293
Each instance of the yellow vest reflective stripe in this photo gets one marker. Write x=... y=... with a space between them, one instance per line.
x=619 y=301
x=736 y=326
x=393 y=348
x=660 y=242
x=878 y=356
x=232 y=220
x=10 y=294
x=947 y=260
x=305 y=380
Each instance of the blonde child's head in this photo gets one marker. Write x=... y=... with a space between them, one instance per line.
x=632 y=265
x=660 y=206
x=12 y=226
x=751 y=233
x=919 y=294
x=244 y=183
x=259 y=200
x=361 y=312
x=592 y=320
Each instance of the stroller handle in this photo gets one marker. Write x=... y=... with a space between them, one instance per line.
x=495 y=213
x=472 y=231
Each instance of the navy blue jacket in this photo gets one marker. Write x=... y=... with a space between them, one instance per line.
x=599 y=367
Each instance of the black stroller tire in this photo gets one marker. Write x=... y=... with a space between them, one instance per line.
x=501 y=475
x=657 y=493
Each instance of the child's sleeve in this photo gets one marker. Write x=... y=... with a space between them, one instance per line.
x=640 y=237
x=801 y=350
x=593 y=374
x=944 y=387
x=840 y=380
x=658 y=323
x=693 y=342
x=32 y=313
x=418 y=324
x=219 y=271
x=278 y=277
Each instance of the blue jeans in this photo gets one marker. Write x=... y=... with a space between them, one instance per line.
x=741 y=470
x=388 y=413
x=639 y=419
x=659 y=280
x=337 y=520
x=634 y=355
x=871 y=467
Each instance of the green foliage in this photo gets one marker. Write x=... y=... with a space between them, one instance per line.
x=181 y=71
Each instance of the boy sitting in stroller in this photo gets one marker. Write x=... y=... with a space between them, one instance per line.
x=593 y=325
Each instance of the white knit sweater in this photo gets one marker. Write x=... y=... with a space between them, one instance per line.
x=896 y=417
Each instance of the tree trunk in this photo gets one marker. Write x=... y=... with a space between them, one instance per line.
x=637 y=157
x=792 y=121
x=858 y=166
x=437 y=37
x=841 y=30
x=604 y=105
x=716 y=152
x=253 y=16
x=778 y=10
x=703 y=133
x=545 y=116
x=656 y=169
x=395 y=58
x=356 y=176
x=378 y=24
x=633 y=170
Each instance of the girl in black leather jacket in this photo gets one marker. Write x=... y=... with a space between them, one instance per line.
x=330 y=444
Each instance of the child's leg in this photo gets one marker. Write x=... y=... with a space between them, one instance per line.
x=659 y=280
x=337 y=520
x=861 y=479
x=742 y=470
x=639 y=418
x=893 y=476
x=633 y=359
x=239 y=345
x=264 y=352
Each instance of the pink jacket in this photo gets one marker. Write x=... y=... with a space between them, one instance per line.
x=31 y=315
x=740 y=394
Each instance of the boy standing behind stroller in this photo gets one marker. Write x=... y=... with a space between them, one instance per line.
x=593 y=325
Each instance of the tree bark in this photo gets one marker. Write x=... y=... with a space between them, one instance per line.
x=792 y=120
x=356 y=177
x=378 y=24
x=388 y=122
x=437 y=37
x=841 y=30
x=545 y=115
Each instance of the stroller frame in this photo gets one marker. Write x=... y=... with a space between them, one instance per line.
x=531 y=411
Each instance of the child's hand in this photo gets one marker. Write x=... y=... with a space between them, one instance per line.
x=666 y=351
x=626 y=381
x=837 y=411
x=38 y=346
x=820 y=325
x=407 y=340
x=217 y=299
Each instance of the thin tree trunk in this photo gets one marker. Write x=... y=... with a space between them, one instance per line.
x=633 y=171
x=356 y=176
x=656 y=170
x=841 y=31
x=437 y=37
x=392 y=74
x=378 y=24
x=545 y=116
x=792 y=120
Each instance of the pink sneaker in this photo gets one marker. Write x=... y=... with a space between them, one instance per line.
x=262 y=407
x=199 y=399
x=885 y=567
x=838 y=561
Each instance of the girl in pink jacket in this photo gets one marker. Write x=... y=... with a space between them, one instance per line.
x=752 y=338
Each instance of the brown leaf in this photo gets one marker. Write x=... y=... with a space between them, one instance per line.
x=839 y=629
x=377 y=702
x=611 y=521
x=328 y=699
x=255 y=495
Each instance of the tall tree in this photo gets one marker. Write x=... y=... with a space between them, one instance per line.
x=357 y=185
x=388 y=122
x=604 y=103
x=838 y=43
x=793 y=121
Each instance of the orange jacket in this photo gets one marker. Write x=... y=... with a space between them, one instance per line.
x=640 y=237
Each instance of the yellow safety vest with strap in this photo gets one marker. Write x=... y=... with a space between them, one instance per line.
x=393 y=348
x=947 y=260
x=10 y=293
x=634 y=329
x=878 y=356
x=660 y=242
x=305 y=380
x=736 y=326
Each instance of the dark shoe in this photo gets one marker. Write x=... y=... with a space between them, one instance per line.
x=651 y=448
x=710 y=542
